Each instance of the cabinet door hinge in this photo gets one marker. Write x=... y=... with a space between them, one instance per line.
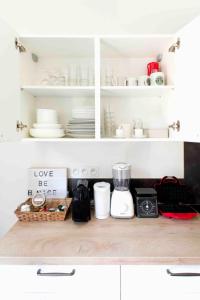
x=19 y=46
x=175 y=46
x=175 y=126
x=20 y=126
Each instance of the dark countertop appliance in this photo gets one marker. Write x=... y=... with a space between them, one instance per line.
x=146 y=203
x=174 y=199
x=81 y=203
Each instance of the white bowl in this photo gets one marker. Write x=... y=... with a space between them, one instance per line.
x=47 y=116
x=47 y=126
x=47 y=133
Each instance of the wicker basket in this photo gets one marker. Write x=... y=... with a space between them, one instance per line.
x=44 y=215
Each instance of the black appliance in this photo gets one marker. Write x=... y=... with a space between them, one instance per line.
x=174 y=199
x=81 y=203
x=146 y=203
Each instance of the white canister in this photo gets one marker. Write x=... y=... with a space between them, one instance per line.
x=102 y=199
x=47 y=116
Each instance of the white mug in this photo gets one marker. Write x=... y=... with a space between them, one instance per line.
x=131 y=81
x=157 y=78
x=120 y=132
x=144 y=80
x=127 y=128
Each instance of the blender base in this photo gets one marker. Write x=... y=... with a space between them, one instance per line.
x=122 y=205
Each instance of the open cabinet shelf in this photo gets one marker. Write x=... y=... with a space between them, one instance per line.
x=136 y=91
x=59 y=91
x=117 y=140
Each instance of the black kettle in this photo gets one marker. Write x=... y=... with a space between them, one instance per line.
x=81 y=204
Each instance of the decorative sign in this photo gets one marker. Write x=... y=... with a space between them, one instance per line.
x=48 y=181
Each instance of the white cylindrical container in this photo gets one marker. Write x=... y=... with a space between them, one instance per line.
x=47 y=116
x=102 y=200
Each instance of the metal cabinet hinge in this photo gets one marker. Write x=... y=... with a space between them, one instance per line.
x=20 y=126
x=175 y=46
x=19 y=46
x=175 y=126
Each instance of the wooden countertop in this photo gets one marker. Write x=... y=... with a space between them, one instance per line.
x=110 y=241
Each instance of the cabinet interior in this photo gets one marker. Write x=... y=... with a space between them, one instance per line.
x=78 y=57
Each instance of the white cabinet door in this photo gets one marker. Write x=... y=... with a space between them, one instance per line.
x=187 y=81
x=9 y=84
x=153 y=282
x=86 y=282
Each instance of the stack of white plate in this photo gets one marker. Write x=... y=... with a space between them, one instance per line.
x=86 y=112
x=47 y=125
x=82 y=124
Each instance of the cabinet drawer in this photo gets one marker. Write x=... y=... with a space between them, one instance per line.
x=155 y=281
x=58 y=282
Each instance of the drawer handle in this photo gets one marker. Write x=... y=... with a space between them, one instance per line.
x=40 y=273
x=182 y=274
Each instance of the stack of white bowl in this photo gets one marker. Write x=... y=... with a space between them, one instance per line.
x=47 y=125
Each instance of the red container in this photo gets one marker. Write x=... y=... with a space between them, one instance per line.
x=152 y=67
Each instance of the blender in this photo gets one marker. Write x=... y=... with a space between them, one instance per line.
x=122 y=200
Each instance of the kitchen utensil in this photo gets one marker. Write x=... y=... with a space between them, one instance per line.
x=157 y=78
x=152 y=67
x=102 y=199
x=146 y=203
x=47 y=133
x=81 y=203
x=47 y=116
x=121 y=201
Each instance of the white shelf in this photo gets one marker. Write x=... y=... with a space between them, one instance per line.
x=136 y=91
x=59 y=91
x=61 y=140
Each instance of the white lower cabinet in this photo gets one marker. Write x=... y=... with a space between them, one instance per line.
x=59 y=282
x=155 y=282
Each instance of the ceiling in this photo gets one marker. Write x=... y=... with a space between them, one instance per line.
x=98 y=16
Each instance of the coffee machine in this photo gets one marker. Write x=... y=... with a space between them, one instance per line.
x=121 y=200
x=81 y=202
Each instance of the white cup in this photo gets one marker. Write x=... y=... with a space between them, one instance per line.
x=139 y=132
x=47 y=116
x=143 y=80
x=120 y=132
x=131 y=81
x=157 y=78
x=102 y=200
x=127 y=128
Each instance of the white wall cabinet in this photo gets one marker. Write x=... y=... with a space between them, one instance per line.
x=109 y=59
x=153 y=282
x=87 y=282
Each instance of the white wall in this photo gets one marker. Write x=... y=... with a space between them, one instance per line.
x=148 y=160
x=98 y=16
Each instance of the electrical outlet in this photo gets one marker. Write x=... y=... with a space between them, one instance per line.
x=84 y=172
